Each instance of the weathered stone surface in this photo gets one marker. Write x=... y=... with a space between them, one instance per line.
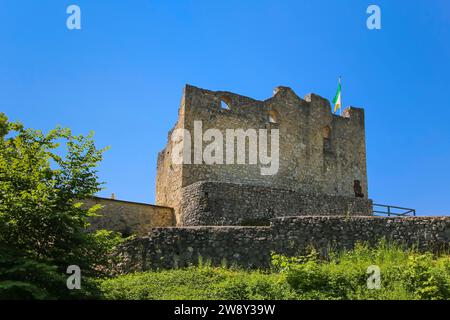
x=218 y=203
x=129 y=217
x=320 y=153
x=232 y=214
x=251 y=246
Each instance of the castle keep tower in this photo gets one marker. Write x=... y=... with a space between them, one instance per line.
x=316 y=197
x=321 y=169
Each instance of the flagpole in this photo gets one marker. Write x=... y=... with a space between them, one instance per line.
x=340 y=111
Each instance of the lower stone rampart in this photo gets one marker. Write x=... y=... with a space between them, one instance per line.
x=251 y=247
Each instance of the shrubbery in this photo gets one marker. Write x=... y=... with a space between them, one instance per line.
x=42 y=223
x=203 y=282
x=405 y=274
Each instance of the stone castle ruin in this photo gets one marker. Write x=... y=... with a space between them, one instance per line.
x=322 y=157
x=229 y=212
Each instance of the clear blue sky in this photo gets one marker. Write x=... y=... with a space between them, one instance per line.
x=122 y=76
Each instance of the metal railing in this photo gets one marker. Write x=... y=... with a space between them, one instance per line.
x=382 y=209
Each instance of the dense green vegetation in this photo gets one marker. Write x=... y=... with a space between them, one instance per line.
x=42 y=222
x=405 y=274
x=43 y=231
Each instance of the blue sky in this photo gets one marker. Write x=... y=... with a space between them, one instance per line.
x=122 y=76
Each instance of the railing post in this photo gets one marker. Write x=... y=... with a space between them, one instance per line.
x=389 y=211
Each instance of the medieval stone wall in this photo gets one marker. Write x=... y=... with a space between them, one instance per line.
x=169 y=175
x=217 y=203
x=308 y=161
x=252 y=246
x=319 y=153
x=129 y=217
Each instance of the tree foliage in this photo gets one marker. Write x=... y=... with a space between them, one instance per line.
x=42 y=220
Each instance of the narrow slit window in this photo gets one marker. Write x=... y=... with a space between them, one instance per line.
x=326 y=132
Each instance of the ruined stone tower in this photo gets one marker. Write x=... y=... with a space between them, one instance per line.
x=235 y=213
x=321 y=169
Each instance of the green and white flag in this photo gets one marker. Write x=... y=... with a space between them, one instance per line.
x=337 y=98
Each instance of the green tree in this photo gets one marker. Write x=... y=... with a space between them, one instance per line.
x=42 y=220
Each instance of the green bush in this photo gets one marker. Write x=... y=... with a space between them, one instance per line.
x=256 y=285
x=198 y=283
x=24 y=278
x=427 y=278
x=405 y=274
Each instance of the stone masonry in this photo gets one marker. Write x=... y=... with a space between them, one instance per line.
x=217 y=203
x=251 y=247
x=321 y=153
x=233 y=214
x=128 y=217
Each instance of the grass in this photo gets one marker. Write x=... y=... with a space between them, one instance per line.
x=405 y=274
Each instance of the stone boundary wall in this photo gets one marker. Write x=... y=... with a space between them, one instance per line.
x=129 y=217
x=251 y=247
x=218 y=203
